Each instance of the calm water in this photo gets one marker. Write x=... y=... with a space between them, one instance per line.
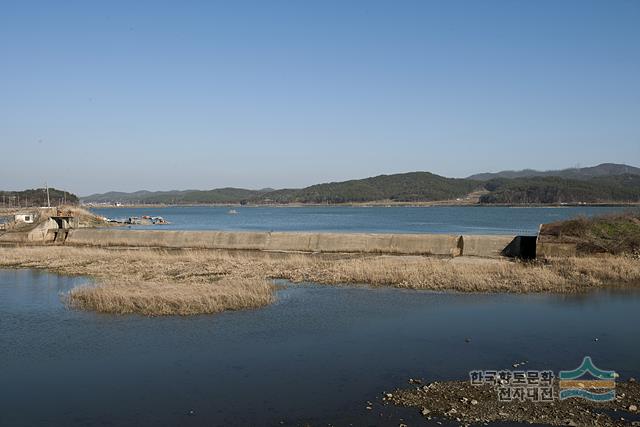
x=458 y=220
x=316 y=355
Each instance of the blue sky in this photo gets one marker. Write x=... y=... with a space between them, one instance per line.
x=98 y=96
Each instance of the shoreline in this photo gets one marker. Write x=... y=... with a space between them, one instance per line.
x=461 y=402
x=158 y=282
x=361 y=205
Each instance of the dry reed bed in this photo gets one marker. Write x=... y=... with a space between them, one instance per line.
x=161 y=282
x=171 y=298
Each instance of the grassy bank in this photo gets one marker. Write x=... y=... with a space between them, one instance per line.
x=161 y=282
x=613 y=234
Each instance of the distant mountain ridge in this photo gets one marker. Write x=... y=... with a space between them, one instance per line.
x=412 y=186
x=603 y=169
x=607 y=182
x=218 y=195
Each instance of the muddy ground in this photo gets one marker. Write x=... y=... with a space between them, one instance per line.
x=467 y=404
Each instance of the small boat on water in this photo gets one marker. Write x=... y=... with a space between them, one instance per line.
x=145 y=220
x=232 y=212
x=158 y=220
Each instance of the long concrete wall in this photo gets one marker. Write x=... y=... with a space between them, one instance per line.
x=401 y=244
x=485 y=246
x=418 y=244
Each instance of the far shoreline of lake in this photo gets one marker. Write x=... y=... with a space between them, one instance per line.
x=361 y=205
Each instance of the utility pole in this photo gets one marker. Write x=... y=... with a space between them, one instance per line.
x=48 y=201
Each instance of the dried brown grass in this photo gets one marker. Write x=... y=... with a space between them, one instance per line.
x=162 y=298
x=613 y=233
x=161 y=282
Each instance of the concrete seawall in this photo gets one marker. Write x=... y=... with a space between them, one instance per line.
x=406 y=244
x=400 y=244
x=38 y=233
x=485 y=246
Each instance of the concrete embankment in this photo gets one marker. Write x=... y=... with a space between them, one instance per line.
x=406 y=244
x=401 y=244
x=36 y=233
x=487 y=246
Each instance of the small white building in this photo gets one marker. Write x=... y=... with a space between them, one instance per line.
x=24 y=217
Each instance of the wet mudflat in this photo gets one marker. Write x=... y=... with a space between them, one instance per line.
x=317 y=355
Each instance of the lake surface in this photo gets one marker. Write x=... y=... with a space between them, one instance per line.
x=436 y=219
x=316 y=355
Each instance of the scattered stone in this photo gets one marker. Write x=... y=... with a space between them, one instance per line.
x=369 y=408
x=467 y=340
x=481 y=406
x=595 y=339
x=632 y=380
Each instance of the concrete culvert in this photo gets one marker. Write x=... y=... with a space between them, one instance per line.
x=523 y=247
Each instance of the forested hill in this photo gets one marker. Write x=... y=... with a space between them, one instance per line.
x=406 y=187
x=555 y=190
x=37 y=197
x=601 y=184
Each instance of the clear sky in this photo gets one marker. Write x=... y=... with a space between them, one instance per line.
x=98 y=96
